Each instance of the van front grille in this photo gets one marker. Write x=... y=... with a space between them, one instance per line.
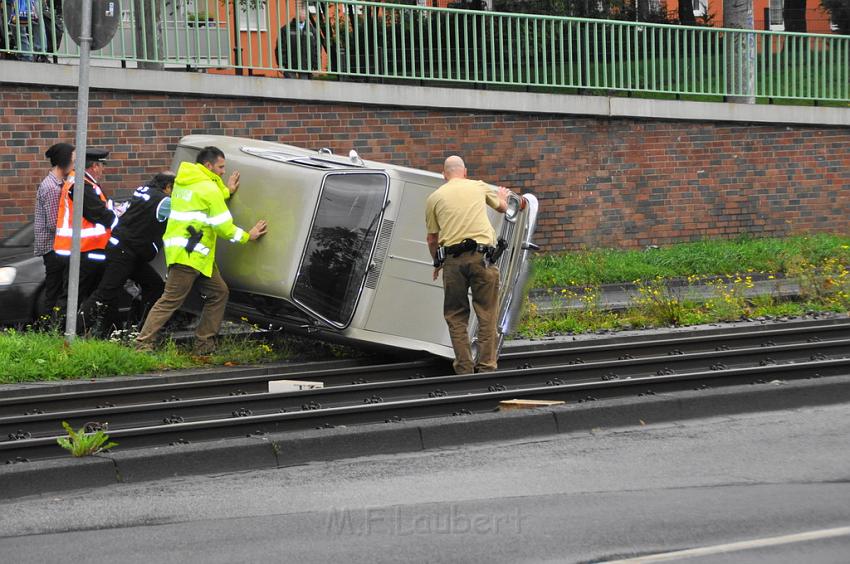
x=381 y=248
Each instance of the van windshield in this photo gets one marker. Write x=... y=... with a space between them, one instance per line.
x=339 y=248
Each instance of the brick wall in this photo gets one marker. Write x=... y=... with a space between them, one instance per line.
x=601 y=182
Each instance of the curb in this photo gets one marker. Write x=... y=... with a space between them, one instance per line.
x=318 y=445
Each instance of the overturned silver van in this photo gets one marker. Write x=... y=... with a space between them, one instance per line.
x=345 y=256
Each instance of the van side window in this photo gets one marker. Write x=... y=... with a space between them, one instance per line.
x=340 y=244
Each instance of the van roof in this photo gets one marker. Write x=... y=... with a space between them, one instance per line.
x=322 y=160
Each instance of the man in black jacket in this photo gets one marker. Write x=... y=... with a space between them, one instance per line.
x=296 y=47
x=135 y=241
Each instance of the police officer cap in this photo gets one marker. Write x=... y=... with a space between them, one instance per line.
x=96 y=155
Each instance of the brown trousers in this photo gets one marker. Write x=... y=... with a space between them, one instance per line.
x=178 y=284
x=459 y=275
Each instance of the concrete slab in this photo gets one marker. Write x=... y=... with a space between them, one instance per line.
x=395 y=95
x=50 y=476
x=499 y=426
x=230 y=455
x=345 y=442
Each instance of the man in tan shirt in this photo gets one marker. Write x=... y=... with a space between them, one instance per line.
x=456 y=219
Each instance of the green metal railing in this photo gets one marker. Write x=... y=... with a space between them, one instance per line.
x=393 y=42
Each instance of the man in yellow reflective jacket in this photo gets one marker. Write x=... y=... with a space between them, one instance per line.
x=199 y=215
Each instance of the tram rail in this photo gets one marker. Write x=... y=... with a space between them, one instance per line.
x=581 y=372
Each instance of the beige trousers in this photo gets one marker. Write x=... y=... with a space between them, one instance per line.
x=178 y=284
x=459 y=275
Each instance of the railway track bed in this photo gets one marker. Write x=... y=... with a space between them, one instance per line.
x=225 y=407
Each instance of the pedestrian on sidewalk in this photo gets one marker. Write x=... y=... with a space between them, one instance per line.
x=61 y=157
x=135 y=242
x=199 y=215
x=461 y=240
x=98 y=220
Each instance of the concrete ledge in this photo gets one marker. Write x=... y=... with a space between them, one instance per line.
x=50 y=476
x=393 y=95
x=696 y=404
x=501 y=426
x=345 y=442
x=289 y=449
x=231 y=455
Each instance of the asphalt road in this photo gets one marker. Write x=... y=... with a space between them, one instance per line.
x=754 y=480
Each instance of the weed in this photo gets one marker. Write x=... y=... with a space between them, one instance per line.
x=659 y=301
x=79 y=443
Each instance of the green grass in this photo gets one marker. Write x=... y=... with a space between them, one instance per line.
x=577 y=322
x=31 y=355
x=602 y=266
x=26 y=355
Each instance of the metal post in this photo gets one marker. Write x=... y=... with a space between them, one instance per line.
x=79 y=171
x=237 y=38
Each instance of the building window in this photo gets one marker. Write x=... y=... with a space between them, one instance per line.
x=252 y=16
x=777 y=21
x=700 y=8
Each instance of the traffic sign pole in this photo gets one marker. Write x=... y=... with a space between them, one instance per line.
x=79 y=171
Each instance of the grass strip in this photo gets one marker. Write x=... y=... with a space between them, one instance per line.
x=585 y=321
x=745 y=254
x=29 y=355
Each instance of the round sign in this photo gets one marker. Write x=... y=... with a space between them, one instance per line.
x=105 y=17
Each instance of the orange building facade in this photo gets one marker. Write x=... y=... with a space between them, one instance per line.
x=259 y=29
x=817 y=18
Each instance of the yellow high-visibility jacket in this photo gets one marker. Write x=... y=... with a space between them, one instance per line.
x=199 y=201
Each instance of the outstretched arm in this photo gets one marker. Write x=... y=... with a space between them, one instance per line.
x=503 y=199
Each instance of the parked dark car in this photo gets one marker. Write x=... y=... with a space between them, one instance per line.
x=21 y=279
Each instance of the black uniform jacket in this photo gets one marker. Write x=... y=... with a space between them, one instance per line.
x=141 y=227
x=94 y=209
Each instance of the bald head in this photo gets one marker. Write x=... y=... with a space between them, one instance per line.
x=454 y=168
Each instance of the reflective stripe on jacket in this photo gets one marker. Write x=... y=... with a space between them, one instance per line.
x=93 y=236
x=198 y=201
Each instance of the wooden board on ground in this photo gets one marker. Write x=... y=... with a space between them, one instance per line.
x=527 y=404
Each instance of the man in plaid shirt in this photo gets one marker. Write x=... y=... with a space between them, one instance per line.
x=61 y=156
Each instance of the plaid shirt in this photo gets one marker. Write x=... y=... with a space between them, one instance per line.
x=46 y=212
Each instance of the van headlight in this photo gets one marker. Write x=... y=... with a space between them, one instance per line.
x=7 y=275
x=514 y=204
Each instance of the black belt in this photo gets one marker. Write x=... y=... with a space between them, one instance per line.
x=468 y=246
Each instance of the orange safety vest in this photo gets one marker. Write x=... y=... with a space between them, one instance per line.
x=94 y=236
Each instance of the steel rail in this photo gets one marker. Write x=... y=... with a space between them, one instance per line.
x=47 y=424
x=696 y=341
x=229 y=385
x=440 y=405
x=537 y=356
